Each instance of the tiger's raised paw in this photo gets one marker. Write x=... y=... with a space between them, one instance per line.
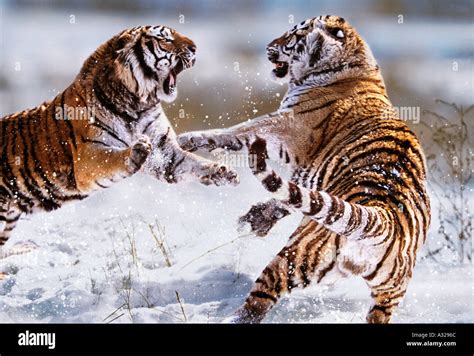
x=193 y=141
x=139 y=153
x=219 y=175
x=261 y=218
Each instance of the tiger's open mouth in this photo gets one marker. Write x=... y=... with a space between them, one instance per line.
x=281 y=69
x=169 y=84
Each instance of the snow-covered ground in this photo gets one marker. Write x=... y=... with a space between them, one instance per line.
x=97 y=261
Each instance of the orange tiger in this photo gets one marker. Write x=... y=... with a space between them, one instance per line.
x=101 y=129
x=358 y=172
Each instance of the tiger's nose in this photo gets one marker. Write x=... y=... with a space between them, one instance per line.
x=272 y=54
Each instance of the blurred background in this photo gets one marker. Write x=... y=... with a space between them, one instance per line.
x=425 y=49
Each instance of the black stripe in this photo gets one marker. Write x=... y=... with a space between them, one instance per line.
x=52 y=156
x=60 y=135
x=272 y=182
x=163 y=138
x=263 y=295
x=11 y=179
x=325 y=271
x=372 y=219
x=335 y=212
x=171 y=166
x=259 y=150
x=354 y=220
x=64 y=143
x=363 y=198
x=151 y=48
x=16 y=218
x=147 y=71
x=316 y=56
x=100 y=185
x=295 y=197
x=404 y=145
x=402 y=163
x=72 y=135
x=37 y=164
x=108 y=130
x=147 y=126
x=28 y=179
x=337 y=69
x=86 y=140
x=303 y=271
x=109 y=104
x=316 y=204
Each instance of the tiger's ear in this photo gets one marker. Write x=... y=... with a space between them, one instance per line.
x=121 y=42
x=314 y=42
x=122 y=61
x=122 y=48
x=316 y=24
x=124 y=72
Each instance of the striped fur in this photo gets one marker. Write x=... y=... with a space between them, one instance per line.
x=101 y=129
x=358 y=172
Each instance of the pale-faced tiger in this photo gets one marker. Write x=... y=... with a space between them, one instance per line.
x=358 y=171
x=101 y=129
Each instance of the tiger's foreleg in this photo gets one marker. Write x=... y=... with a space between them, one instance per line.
x=261 y=217
x=236 y=138
x=353 y=221
x=210 y=140
x=8 y=220
x=168 y=162
x=98 y=167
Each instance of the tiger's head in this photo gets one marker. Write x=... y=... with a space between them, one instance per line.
x=323 y=46
x=146 y=59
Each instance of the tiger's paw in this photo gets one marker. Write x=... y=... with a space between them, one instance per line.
x=191 y=142
x=261 y=218
x=138 y=154
x=219 y=175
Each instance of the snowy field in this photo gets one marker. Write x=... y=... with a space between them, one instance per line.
x=97 y=261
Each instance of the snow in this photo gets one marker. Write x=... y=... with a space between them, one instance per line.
x=97 y=261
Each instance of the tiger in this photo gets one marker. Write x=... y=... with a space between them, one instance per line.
x=358 y=173
x=104 y=127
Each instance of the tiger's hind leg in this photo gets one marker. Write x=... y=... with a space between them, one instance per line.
x=309 y=256
x=98 y=167
x=261 y=217
x=386 y=300
x=9 y=218
x=8 y=221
